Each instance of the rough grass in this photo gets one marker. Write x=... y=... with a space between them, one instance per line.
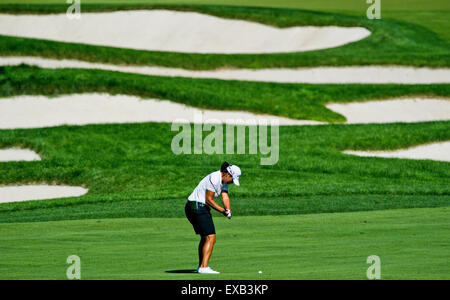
x=130 y=171
x=392 y=42
x=297 y=101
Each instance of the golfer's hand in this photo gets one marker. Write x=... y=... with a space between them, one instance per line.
x=227 y=213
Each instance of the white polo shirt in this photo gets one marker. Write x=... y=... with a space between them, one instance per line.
x=213 y=183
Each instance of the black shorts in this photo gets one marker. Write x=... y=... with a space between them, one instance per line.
x=200 y=218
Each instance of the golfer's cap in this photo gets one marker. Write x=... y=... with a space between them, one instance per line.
x=235 y=172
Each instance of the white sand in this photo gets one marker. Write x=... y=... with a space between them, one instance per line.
x=38 y=192
x=437 y=151
x=15 y=154
x=391 y=111
x=372 y=74
x=164 y=30
x=82 y=109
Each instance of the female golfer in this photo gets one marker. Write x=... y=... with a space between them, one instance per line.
x=198 y=210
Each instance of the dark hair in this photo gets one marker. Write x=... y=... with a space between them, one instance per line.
x=224 y=167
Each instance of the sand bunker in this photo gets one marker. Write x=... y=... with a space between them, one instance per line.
x=38 y=192
x=15 y=154
x=437 y=151
x=82 y=109
x=164 y=30
x=391 y=111
x=379 y=74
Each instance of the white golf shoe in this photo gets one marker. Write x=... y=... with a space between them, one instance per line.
x=207 y=270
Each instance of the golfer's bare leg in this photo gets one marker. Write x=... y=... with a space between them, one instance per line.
x=210 y=240
x=200 y=250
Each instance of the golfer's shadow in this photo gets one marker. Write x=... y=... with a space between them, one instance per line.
x=181 y=271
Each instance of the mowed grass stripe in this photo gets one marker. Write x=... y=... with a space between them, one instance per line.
x=323 y=246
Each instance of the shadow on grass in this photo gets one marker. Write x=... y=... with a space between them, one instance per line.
x=181 y=271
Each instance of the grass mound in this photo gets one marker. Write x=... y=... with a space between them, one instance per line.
x=130 y=171
x=297 y=101
x=392 y=42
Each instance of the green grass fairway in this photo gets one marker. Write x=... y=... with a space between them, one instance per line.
x=412 y=244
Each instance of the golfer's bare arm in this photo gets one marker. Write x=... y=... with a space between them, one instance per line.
x=226 y=200
x=213 y=204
